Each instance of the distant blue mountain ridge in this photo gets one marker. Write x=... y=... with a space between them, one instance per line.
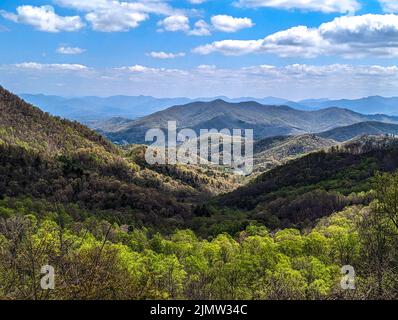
x=90 y=109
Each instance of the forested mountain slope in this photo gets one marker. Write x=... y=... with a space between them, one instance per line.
x=25 y=125
x=266 y=121
x=275 y=151
x=93 y=211
x=64 y=162
x=316 y=185
x=363 y=128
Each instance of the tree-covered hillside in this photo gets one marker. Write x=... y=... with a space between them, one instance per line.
x=265 y=120
x=95 y=259
x=272 y=152
x=114 y=227
x=50 y=158
x=316 y=185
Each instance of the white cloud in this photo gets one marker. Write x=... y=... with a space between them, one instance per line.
x=347 y=36
x=116 y=16
x=222 y=23
x=302 y=71
x=85 y=5
x=197 y=1
x=165 y=55
x=44 y=18
x=227 y=23
x=145 y=6
x=207 y=67
x=55 y=66
x=70 y=50
x=201 y=28
x=230 y=47
x=119 y=19
x=390 y=6
x=139 y=69
x=329 y=6
x=175 y=23
x=295 y=81
x=181 y=23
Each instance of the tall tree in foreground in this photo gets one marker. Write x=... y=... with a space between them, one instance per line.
x=379 y=234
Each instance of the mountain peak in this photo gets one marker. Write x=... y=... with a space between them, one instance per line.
x=265 y=121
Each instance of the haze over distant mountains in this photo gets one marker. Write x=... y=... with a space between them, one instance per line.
x=346 y=133
x=265 y=120
x=368 y=105
x=86 y=109
x=91 y=109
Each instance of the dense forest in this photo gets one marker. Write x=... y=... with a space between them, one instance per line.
x=113 y=227
x=95 y=259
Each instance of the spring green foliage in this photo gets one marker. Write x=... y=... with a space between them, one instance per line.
x=316 y=185
x=115 y=228
x=94 y=259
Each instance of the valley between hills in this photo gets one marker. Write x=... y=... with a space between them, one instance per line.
x=323 y=195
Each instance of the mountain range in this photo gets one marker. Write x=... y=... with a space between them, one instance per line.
x=346 y=133
x=265 y=120
x=91 y=109
x=275 y=151
x=367 y=105
x=46 y=157
x=118 y=227
x=61 y=161
x=316 y=184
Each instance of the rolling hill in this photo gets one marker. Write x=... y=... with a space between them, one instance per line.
x=367 y=105
x=92 y=110
x=275 y=151
x=363 y=128
x=316 y=185
x=45 y=157
x=266 y=121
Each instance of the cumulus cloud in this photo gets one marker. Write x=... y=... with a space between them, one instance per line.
x=347 y=36
x=175 y=23
x=144 y=6
x=181 y=23
x=116 y=20
x=44 y=18
x=339 y=6
x=222 y=23
x=201 y=28
x=70 y=50
x=230 y=47
x=227 y=23
x=116 y=16
x=165 y=55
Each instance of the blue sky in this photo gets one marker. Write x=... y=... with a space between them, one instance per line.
x=289 y=48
